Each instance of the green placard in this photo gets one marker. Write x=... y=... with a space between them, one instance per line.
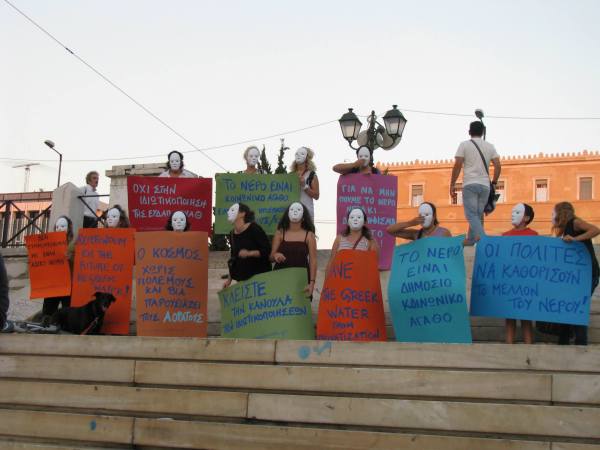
x=267 y=195
x=271 y=305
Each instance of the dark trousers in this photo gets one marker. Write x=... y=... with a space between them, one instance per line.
x=90 y=222
x=51 y=304
x=580 y=331
x=3 y=293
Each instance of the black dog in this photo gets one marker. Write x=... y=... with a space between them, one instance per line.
x=86 y=319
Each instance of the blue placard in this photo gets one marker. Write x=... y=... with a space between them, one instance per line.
x=532 y=278
x=427 y=292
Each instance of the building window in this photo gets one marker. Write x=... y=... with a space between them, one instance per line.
x=585 y=188
x=416 y=195
x=500 y=190
x=458 y=198
x=541 y=191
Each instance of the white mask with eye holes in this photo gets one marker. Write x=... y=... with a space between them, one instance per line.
x=252 y=157
x=232 y=212
x=178 y=221
x=61 y=224
x=113 y=216
x=517 y=214
x=426 y=212
x=356 y=219
x=296 y=212
x=553 y=217
x=175 y=162
x=364 y=155
x=301 y=155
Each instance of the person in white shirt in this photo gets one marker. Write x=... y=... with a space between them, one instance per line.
x=90 y=218
x=476 y=181
x=175 y=167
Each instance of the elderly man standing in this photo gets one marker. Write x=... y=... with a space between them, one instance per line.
x=90 y=218
x=475 y=156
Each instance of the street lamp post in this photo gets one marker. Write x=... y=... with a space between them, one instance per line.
x=479 y=115
x=377 y=133
x=50 y=144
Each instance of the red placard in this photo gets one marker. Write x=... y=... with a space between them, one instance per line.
x=351 y=305
x=104 y=263
x=151 y=200
x=49 y=271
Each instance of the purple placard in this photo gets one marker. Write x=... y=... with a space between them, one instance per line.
x=377 y=195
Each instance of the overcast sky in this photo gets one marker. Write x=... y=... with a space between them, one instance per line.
x=223 y=72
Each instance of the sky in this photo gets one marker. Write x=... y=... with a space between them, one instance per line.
x=225 y=72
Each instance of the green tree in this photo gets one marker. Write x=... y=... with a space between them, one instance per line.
x=281 y=168
x=264 y=162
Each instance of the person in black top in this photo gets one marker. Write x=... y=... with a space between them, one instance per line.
x=250 y=246
x=571 y=228
x=5 y=325
x=363 y=164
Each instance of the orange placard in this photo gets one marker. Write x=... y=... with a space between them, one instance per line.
x=171 y=283
x=49 y=271
x=104 y=263
x=351 y=305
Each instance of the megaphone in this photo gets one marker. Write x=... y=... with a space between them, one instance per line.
x=388 y=143
x=363 y=139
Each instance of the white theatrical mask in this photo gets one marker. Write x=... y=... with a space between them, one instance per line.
x=178 y=221
x=61 y=224
x=553 y=217
x=356 y=220
x=517 y=214
x=232 y=212
x=364 y=155
x=426 y=212
x=301 y=155
x=252 y=157
x=296 y=212
x=113 y=216
x=175 y=162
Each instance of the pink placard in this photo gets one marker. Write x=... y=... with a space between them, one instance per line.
x=377 y=195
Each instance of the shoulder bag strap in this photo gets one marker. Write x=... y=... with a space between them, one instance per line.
x=482 y=157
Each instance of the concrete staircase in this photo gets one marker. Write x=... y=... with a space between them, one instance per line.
x=59 y=391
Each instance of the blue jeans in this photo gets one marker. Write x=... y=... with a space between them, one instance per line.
x=475 y=197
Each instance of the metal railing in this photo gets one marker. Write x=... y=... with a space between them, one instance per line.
x=12 y=228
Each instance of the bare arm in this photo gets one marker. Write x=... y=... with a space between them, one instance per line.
x=497 y=169
x=313 y=190
x=374 y=246
x=312 y=262
x=590 y=231
x=275 y=247
x=402 y=230
x=458 y=165
x=344 y=168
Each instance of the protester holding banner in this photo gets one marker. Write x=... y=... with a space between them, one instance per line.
x=294 y=243
x=116 y=218
x=305 y=168
x=356 y=236
x=175 y=167
x=50 y=305
x=571 y=228
x=250 y=246
x=427 y=218
x=252 y=156
x=363 y=163
x=177 y=222
x=521 y=216
x=6 y=326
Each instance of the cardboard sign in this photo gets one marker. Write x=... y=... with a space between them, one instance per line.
x=49 y=271
x=171 y=272
x=271 y=305
x=377 y=195
x=532 y=278
x=426 y=291
x=104 y=263
x=267 y=195
x=152 y=200
x=351 y=305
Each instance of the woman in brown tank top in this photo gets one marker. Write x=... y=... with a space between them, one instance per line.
x=294 y=243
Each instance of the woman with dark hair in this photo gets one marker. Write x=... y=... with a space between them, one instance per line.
x=50 y=305
x=427 y=219
x=250 y=246
x=569 y=227
x=294 y=243
x=177 y=222
x=116 y=217
x=356 y=236
x=175 y=167
x=363 y=163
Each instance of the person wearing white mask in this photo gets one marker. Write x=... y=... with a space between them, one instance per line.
x=177 y=222
x=252 y=158
x=116 y=218
x=304 y=167
x=426 y=219
x=356 y=236
x=363 y=163
x=250 y=246
x=295 y=244
x=175 y=167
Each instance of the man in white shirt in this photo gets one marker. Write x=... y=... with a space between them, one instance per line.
x=476 y=180
x=90 y=219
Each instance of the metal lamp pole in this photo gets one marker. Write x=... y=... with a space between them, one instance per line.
x=50 y=144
